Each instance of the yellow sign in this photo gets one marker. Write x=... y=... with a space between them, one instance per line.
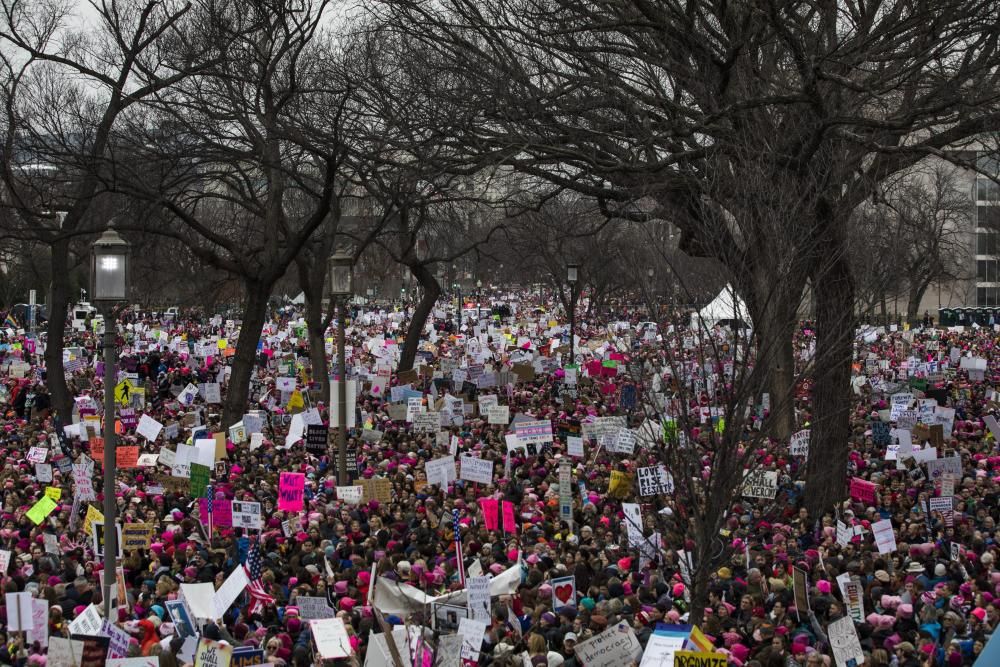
x=699 y=659
x=93 y=514
x=137 y=536
x=53 y=492
x=41 y=509
x=223 y=343
x=123 y=392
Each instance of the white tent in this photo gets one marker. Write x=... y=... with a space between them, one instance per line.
x=726 y=306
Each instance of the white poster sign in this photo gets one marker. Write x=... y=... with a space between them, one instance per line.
x=474 y=469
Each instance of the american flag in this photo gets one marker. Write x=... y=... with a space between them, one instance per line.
x=459 y=556
x=209 y=497
x=258 y=596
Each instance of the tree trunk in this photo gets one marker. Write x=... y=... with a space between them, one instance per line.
x=826 y=478
x=913 y=303
x=311 y=280
x=432 y=290
x=55 y=379
x=245 y=358
x=773 y=310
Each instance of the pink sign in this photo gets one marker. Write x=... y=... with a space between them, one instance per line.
x=222 y=513
x=291 y=490
x=489 y=508
x=508 y=517
x=863 y=490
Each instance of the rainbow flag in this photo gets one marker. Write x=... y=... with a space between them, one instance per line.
x=699 y=641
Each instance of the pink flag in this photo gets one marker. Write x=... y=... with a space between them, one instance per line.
x=508 y=517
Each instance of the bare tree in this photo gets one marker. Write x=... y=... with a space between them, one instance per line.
x=922 y=228
x=768 y=124
x=63 y=92
x=246 y=157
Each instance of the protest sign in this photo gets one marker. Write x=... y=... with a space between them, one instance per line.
x=19 y=611
x=633 y=523
x=330 y=635
x=475 y=469
x=663 y=643
x=799 y=445
x=352 y=495
x=614 y=647
x=41 y=509
x=184 y=624
x=623 y=442
x=244 y=656
x=317 y=439
x=211 y=653
x=246 y=515
x=137 y=536
x=64 y=652
x=620 y=485
x=87 y=623
x=534 y=432
x=291 y=490
x=654 y=480
x=800 y=588
x=760 y=484
x=563 y=593
x=98 y=538
x=378 y=488
x=441 y=471
x=43 y=472
x=426 y=422
x=885 y=539
x=39 y=622
x=940 y=467
x=498 y=414
x=852 y=592
x=472 y=633
x=844 y=642
x=311 y=608
x=149 y=428
x=863 y=490
x=118 y=640
x=478 y=597
x=230 y=589
x=574 y=446
x=699 y=659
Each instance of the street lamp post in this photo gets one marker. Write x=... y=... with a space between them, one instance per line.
x=341 y=269
x=652 y=290
x=479 y=294
x=572 y=273
x=109 y=277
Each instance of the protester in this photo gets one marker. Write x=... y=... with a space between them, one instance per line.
x=926 y=593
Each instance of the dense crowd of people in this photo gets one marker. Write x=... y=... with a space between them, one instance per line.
x=781 y=578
